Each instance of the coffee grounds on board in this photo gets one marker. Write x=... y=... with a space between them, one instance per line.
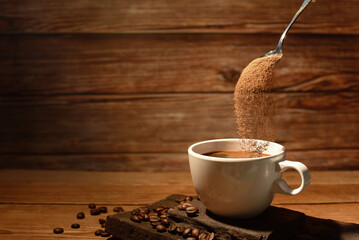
x=254 y=108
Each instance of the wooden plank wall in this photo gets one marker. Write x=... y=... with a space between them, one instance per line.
x=129 y=85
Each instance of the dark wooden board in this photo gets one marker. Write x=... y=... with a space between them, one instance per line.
x=167 y=122
x=273 y=223
x=107 y=16
x=159 y=63
x=323 y=159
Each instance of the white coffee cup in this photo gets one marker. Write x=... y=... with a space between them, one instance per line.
x=241 y=187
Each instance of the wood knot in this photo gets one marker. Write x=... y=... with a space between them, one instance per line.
x=230 y=75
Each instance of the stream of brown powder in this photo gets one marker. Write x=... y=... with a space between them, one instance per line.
x=254 y=108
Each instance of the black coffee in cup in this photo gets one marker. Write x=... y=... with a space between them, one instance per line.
x=235 y=154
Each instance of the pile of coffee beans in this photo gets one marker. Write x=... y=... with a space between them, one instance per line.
x=158 y=218
x=93 y=211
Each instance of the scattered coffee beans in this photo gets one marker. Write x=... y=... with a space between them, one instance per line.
x=160 y=228
x=98 y=232
x=144 y=209
x=95 y=211
x=180 y=230
x=211 y=236
x=80 y=215
x=92 y=205
x=195 y=232
x=172 y=229
x=191 y=211
x=75 y=225
x=118 y=209
x=155 y=219
x=103 y=209
x=105 y=234
x=187 y=232
x=146 y=217
x=188 y=199
x=202 y=236
x=159 y=219
x=165 y=222
x=135 y=218
x=58 y=230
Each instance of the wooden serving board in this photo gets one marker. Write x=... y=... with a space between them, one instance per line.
x=274 y=223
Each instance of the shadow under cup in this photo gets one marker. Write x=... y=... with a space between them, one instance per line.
x=236 y=187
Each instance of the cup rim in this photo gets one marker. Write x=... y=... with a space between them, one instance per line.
x=216 y=159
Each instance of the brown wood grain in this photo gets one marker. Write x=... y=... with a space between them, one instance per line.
x=159 y=63
x=24 y=221
x=327 y=159
x=167 y=122
x=35 y=202
x=76 y=187
x=108 y=16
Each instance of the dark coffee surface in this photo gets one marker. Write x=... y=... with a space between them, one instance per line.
x=235 y=154
x=273 y=224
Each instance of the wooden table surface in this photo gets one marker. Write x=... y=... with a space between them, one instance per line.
x=33 y=202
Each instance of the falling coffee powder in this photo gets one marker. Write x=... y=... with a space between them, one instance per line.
x=253 y=104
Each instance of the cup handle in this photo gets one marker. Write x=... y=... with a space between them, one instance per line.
x=281 y=186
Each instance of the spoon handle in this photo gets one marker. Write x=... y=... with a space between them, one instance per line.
x=301 y=9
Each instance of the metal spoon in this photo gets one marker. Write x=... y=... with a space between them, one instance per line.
x=278 y=49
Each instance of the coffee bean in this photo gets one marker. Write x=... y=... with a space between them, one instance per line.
x=154 y=219
x=191 y=238
x=188 y=199
x=80 y=215
x=211 y=236
x=145 y=217
x=186 y=205
x=95 y=211
x=118 y=209
x=159 y=209
x=165 y=222
x=144 y=209
x=191 y=211
x=58 y=230
x=164 y=211
x=135 y=211
x=181 y=207
x=103 y=209
x=164 y=216
x=105 y=234
x=75 y=225
x=101 y=221
x=155 y=224
x=98 y=232
x=92 y=205
x=104 y=225
x=202 y=236
x=195 y=232
x=180 y=199
x=180 y=230
x=135 y=218
x=187 y=232
x=172 y=229
x=153 y=214
x=141 y=214
x=160 y=228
